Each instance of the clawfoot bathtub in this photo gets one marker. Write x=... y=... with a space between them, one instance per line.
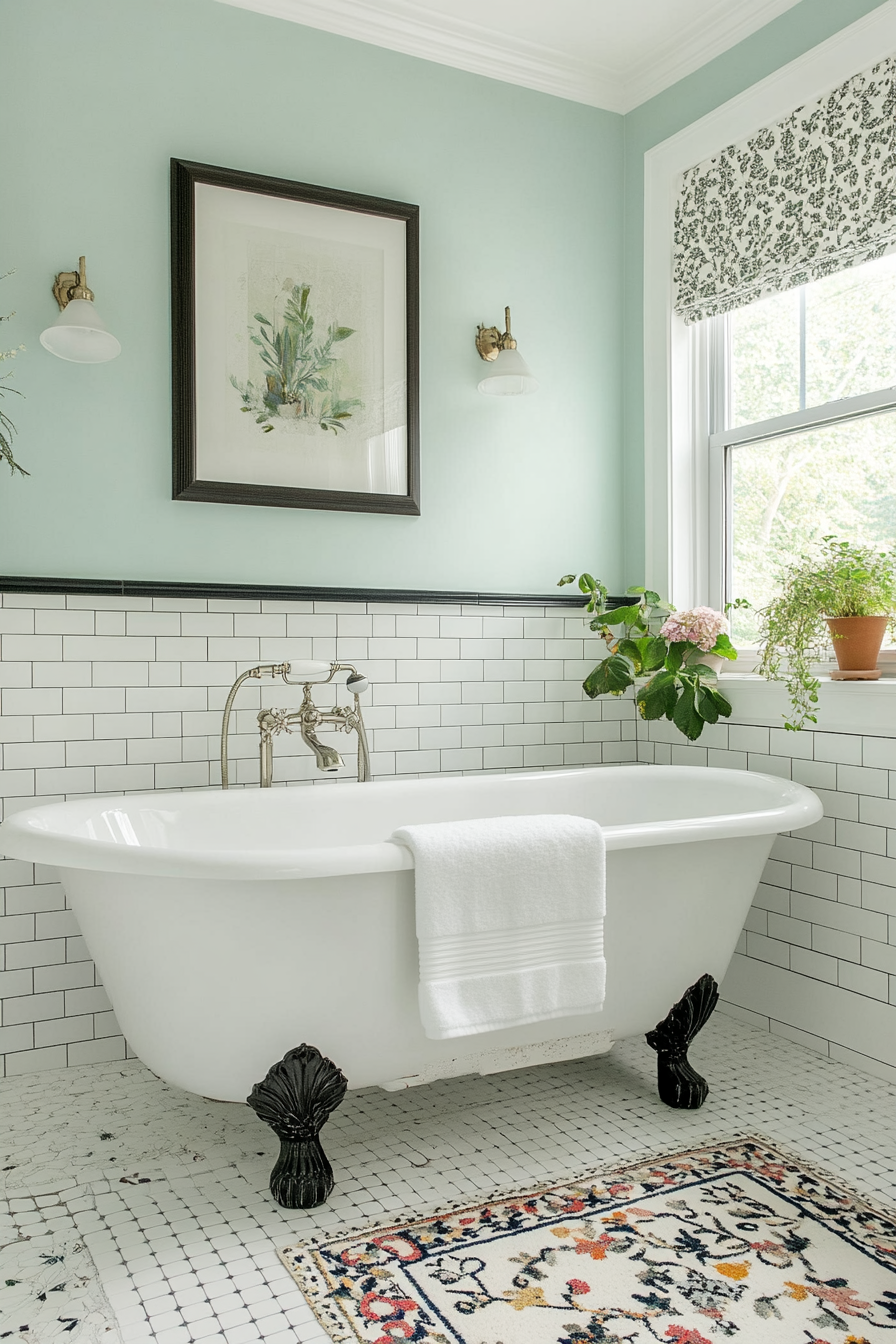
x=229 y=926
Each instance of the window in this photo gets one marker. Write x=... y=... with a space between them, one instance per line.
x=803 y=425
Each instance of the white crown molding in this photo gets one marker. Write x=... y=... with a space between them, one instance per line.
x=696 y=45
x=402 y=26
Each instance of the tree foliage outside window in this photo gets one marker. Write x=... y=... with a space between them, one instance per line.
x=808 y=348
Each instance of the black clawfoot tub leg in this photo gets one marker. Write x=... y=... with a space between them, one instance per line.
x=296 y=1099
x=679 y=1084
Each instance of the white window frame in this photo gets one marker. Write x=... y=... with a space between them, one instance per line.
x=683 y=485
x=722 y=439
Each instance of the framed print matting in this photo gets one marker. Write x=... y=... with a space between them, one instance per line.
x=294 y=344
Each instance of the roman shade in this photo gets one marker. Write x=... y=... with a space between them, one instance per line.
x=799 y=200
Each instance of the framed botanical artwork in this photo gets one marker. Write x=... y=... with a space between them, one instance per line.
x=294 y=344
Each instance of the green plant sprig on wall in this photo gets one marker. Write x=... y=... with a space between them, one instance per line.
x=7 y=428
x=659 y=644
x=839 y=579
x=299 y=374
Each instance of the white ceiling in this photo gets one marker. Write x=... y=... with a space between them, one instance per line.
x=613 y=54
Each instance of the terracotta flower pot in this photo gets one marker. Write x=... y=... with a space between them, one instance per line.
x=857 y=641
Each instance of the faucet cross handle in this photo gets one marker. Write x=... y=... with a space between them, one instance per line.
x=274 y=721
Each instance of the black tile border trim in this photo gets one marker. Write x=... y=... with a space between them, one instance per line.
x=282 y=593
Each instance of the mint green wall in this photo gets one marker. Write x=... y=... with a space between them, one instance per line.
x=794 y=32
x=521 y=203
x=522 y=198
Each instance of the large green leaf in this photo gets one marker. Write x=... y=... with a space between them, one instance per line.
x=623 y=615
x=721 y=703
x=685 y=716
x=657 y=699
x=647 y=653
x=653 y=652
x=724 y=648
x=586 y=583
x=629 y=649
x=674 y=657
x=705 y=705
x=612 y=676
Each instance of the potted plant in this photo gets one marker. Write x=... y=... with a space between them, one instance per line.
x=661 y=651
x=843 y=593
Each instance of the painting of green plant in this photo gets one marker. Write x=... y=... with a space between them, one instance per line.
x=301 y=364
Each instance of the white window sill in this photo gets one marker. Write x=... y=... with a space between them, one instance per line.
x=867 y=707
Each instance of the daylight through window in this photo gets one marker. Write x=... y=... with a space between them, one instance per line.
x=804 y=416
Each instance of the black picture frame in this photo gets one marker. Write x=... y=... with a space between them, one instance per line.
x=187 y=484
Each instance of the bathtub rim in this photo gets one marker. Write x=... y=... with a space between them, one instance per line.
x=30 y=835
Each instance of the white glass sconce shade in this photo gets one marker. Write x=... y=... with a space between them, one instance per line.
x=79 y=334
x=508 y=375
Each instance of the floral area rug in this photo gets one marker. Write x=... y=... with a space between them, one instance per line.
x=732 y=1241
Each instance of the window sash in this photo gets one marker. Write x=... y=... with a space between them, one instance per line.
x=723 y=442
x=814 y=417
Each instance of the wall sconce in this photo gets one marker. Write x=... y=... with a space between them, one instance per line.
x=79 y=333
x=508 y=373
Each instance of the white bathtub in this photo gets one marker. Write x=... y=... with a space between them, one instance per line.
x=230 y=926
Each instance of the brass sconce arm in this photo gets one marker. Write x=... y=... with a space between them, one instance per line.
x=70 y=285
x=490 y=342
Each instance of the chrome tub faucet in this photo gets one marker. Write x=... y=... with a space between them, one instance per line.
x=307 y=719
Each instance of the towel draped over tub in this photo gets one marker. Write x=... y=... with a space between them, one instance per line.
x=509 y=920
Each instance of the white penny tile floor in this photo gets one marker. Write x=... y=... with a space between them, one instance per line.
x=135 y=1211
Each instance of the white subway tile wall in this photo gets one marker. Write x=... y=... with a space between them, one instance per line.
x=816 y=961
x=124 y=694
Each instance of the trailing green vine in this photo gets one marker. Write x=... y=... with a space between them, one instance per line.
x=839 y=579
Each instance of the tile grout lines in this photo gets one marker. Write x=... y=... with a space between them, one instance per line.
x=168 y=1191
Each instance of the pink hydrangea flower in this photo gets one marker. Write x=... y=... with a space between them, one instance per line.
x=701 y=626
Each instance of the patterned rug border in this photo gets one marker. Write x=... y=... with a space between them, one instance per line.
x=316 y=1290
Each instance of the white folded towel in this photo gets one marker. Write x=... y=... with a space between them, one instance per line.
x=509 y=920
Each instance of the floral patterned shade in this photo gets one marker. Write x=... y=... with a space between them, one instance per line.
x=797 y=201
